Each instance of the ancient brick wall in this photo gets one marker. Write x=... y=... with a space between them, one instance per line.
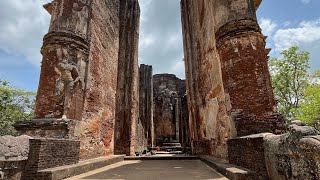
x=97 y=124
x=127 y=98
x=167 y=93
x=12 y=170
x=249 y=152
x=208 y=103
x=49 y=153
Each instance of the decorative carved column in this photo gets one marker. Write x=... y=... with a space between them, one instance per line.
x=64 y=66
x=64 y=70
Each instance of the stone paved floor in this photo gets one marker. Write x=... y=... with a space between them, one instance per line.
x=154 y=170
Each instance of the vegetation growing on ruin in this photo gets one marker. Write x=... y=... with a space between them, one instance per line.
x=15 y=104
x=296 y=91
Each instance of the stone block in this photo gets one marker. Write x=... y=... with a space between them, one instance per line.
x=12 y=169
x=294 y=155
x=249 y=152
x=14 y=148
x=49 y=153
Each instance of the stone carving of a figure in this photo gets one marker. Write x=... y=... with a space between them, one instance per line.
x=69 y=78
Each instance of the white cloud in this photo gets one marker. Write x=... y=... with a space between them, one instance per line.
x=305 y=1
x=268 y=26
x=306 y=35
x=307 y=32
x=161 y=36
x=23 y=24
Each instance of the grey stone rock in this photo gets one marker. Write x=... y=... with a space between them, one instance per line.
x=14 y=148
x=298 y=122
x=294 y=155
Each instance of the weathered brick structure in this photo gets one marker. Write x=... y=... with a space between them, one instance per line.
x=93 y=100
x=228 y=81
x=127 y=104
x=145 y=125
x=47 y=153
x=89 y=73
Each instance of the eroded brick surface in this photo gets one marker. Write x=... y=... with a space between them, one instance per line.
x=49 y=153
x=227 y=72
x=97 y=124
x=145 y=127
x=207 y=101
x=127 y=98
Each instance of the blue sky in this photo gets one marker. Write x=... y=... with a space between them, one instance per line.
x=24 y=23
x=292 y=22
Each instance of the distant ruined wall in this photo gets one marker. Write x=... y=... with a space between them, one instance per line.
x=168 y=91
x=127 y=104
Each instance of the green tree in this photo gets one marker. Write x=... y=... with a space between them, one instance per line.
x=309 y=110
x=15 y=104
x=290 y=79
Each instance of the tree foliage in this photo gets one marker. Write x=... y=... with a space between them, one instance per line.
x=309 y=110
x=15 y=104
x=290 y=79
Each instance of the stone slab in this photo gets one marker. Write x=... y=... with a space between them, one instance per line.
x=249 y=152
x=48 y=128
x=230 y=171
x=81 y=167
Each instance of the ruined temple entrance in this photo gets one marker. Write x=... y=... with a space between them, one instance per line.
x=91 y=87
x=95 y=101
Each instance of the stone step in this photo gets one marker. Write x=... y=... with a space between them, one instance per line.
x=162 y=157
x=171 y=152
x=63 y=172
x=171 y=144
x=231 y=171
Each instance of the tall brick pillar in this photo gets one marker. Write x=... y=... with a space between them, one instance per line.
x=208 y=104
x=245 y=73
x=127 y=98
x=146 y=103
